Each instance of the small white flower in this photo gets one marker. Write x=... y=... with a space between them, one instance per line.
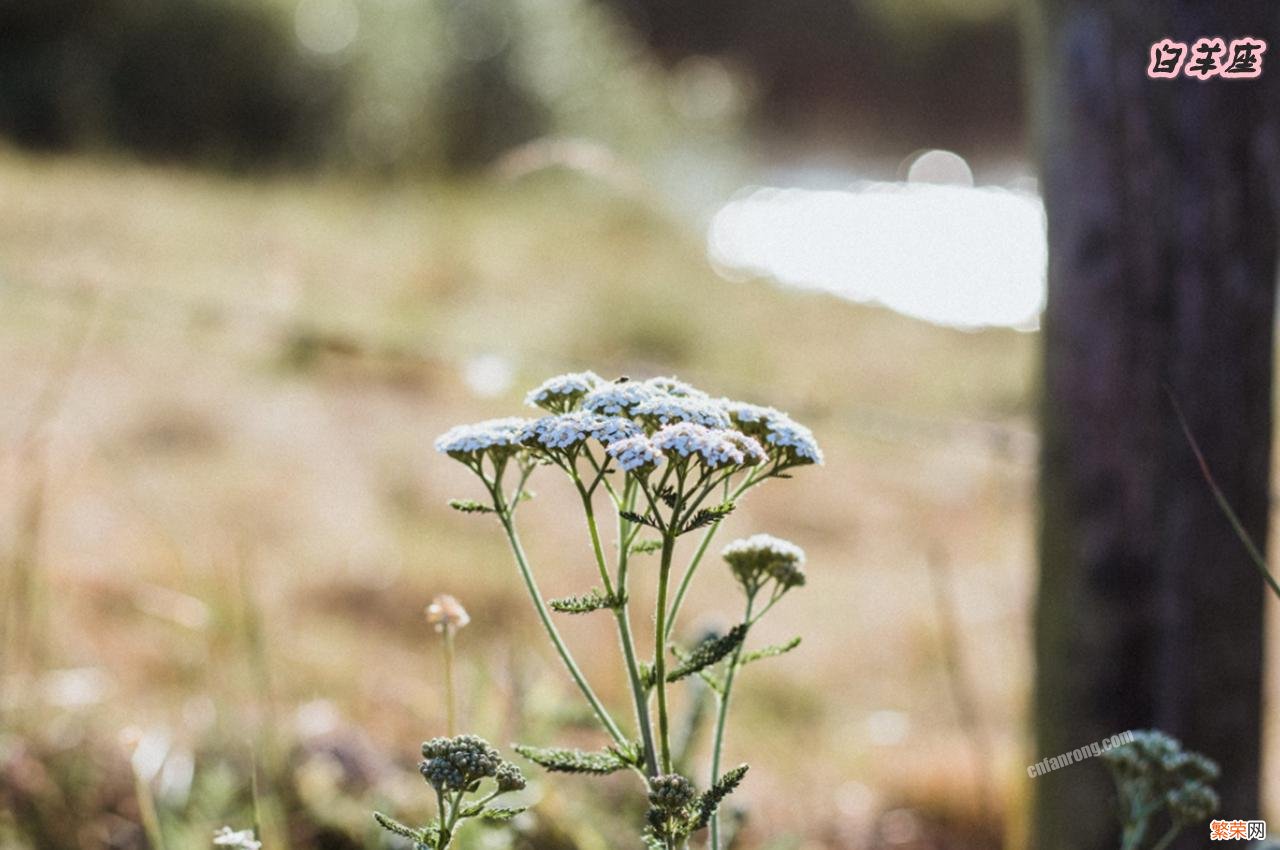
x=674 y=386
x=760 y=557
x=712 y=446
x=793 y=440
x=752 y=452
x=664 y=410
x=569 y=429
x=617 y=399
x=766 y=546
x=561 y=393
x=778 y=431
x=447 y=612
x=635 y=454
x=746 y=414
x=498 y=436
x=242 y=840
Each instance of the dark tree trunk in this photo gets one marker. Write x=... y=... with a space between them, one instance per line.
x=1162 y=205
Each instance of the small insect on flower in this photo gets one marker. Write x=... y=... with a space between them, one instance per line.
x=563 y=392
x=240 y=840
x=714 y=447
x=760 y=557
x=617 y=399
x=495 y=437
x=447 y=612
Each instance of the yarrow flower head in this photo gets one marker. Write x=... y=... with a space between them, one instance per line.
x=497 y=438
x=667 y=409
x=509 y=777
x=714 y=447
x=1192 y=802
x=1153 y=770
x=566 y=430
x=240 y=840
x=780 y=434
x=1160 y=758
x=676 y=387
x=563 y=392
x=670 y=792
x=617 y=398
x=637 y=455
x=457 y=764
x=760 y=557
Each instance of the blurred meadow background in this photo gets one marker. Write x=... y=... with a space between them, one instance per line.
x=256 y=254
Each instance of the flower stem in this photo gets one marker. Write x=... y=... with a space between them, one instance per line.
x=450 y=694
x=660 y=649
x=687 y=578
x=622 y=616
x=1167 y=838
x=722 y=714
x=544 y=615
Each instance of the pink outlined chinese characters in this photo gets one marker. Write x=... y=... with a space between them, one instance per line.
x=1207 y=57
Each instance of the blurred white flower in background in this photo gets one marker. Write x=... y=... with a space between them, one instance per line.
x=489 y=375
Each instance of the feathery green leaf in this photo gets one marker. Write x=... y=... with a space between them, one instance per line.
x=710 y=799
x=770 y=651
x=469 y=506
x=588 y=602
x=708 y=652
x=562 y=760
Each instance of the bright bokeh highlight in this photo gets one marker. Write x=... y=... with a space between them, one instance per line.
x=950 y=254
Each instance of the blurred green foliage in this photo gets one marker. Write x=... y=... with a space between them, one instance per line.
x=372 y=84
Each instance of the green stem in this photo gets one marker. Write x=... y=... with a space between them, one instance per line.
x=660 y=649
x=450 y=694
x=596 y=547
x=544 y=615
x=1167 y=838
x=622 y=615
x=687 y=578
x=442 y=815
x=722 y=714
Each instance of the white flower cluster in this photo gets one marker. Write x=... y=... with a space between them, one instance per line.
x=756 y=559
x=764 y=546
x=242 y=840
x=674 y=386
x=683 y=422
x=561 y=393
x=570 y=429
x=666 y=409
x=492 y=435
x=635 y=454
x=715 y=448
x=776 y=429
x=618 y=398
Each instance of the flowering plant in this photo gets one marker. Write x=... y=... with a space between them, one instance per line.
x=456 y=768
x=1154 y=774
x=669 y=461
